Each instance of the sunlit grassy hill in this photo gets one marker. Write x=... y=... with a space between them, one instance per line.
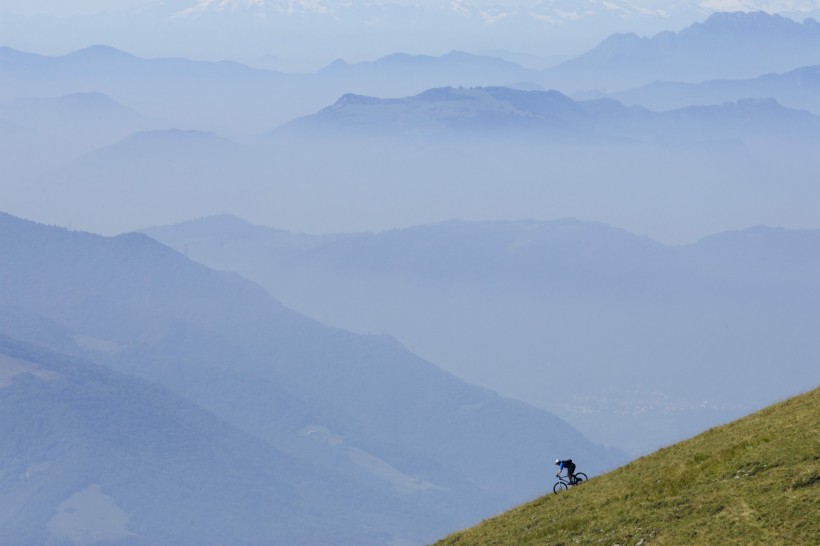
x=752 y=481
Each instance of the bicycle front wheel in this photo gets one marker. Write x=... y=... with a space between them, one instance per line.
x=558 y=487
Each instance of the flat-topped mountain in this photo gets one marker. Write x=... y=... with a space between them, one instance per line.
x=491 y=112
x=237 y=99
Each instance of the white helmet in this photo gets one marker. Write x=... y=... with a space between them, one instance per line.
x=557 y=461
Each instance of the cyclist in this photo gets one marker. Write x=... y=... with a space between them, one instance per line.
x=569 y=465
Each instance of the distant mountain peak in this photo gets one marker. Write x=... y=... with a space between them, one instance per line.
x=338 y=64
x=101 y=52
x=727 y=45
x=217 y=223
x=352 y=99
x=749 y=21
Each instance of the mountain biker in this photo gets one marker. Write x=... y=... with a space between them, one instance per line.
x=569 y=465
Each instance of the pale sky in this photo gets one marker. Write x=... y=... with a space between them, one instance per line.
x=84 y=7
x=72 y=7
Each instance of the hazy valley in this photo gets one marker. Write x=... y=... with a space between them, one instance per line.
x=345 y=412
x=634 y=342
x=364 y=289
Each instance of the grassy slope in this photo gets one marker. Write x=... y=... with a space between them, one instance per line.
x=753 y=481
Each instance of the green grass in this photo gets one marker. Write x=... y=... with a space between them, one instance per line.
x=752 y=481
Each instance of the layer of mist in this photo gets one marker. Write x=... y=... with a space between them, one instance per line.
x=636 y=343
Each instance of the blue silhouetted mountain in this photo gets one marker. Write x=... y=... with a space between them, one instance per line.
x=442 y=139
x=447 y=110
x=99 y=55
x=91 y=452
x=348 y=28
x=799 y=88
x=726 y=45
x=635 y=341
x=175 y=92
x=488 y=112
x=100 y=61
x=217 y=95
x=415 y=451
x=400 y=72
x=233 y=98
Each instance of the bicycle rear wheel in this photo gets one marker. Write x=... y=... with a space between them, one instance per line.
x=580 y=478
x=558 y=487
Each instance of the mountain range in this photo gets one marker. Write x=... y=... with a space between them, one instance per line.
x=187 y=94
x=162 y=177
x=515 y=113
x=355 y=29
x=475 y=140
x=171 y=92
x=362 y=432
x=635 y=342
x=799 y=88
x=725 y=45
x=202 y=95
x=511 y=151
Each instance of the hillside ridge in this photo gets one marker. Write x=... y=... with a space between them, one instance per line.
x=752 y=481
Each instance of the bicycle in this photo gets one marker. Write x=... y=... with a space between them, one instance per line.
x=564 y=483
